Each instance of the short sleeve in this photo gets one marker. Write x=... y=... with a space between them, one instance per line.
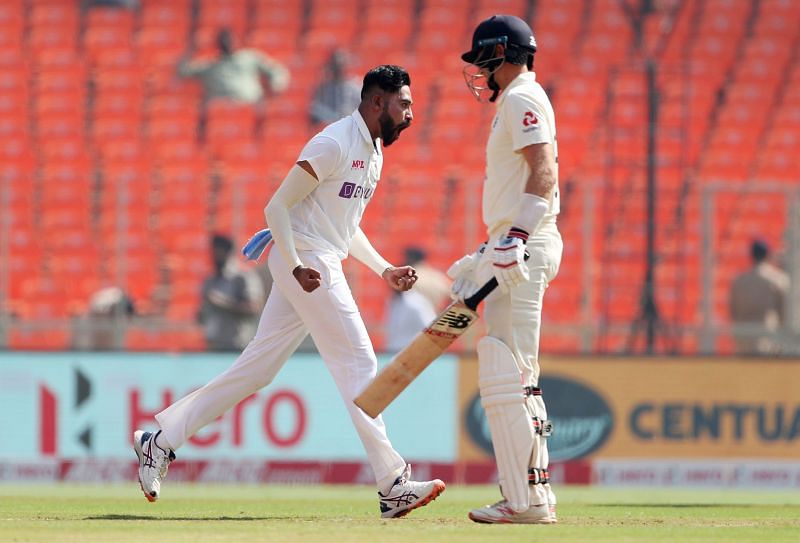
x=527 y=121
x=324 y=154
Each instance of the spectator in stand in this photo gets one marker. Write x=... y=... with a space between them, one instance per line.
x=432 y=283
x=103 y=327
x=407 y=315
x=758 y=299
x=411 y=311
x=236 y=73
x=227 y=306
x=338 y=95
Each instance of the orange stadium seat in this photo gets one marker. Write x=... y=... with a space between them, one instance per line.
x=161 y=43
x=54 y=37
x=99 y=140
x=54 y=14
x=172 y=15
x=39 y=339
x=232 y=15
x=274 y=15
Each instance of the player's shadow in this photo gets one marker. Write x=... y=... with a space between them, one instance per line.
x=673 y=505
x=185 y=518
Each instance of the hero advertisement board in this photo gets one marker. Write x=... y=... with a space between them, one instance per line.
x=87 y=405
x=655 y=408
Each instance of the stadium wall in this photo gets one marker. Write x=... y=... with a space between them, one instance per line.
x=648 y=422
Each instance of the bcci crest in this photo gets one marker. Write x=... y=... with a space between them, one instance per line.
x=453 y=322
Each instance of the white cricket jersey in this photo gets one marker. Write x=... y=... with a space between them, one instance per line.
x=524 y=117
x=348 y=165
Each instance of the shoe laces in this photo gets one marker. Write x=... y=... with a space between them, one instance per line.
x=163 y=464
x=160 y=460
x=403 y=479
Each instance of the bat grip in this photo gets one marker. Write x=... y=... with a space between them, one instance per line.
x=473 y=301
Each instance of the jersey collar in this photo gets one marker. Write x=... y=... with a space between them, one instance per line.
x=521 y=79
x=362 y=127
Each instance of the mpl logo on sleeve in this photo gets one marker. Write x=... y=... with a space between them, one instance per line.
x=453 y=322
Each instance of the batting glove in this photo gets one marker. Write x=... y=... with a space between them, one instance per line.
x=508 y=259
x=461 y=271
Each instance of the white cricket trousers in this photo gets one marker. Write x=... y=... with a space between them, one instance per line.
x=515 y=318
x=330 y=314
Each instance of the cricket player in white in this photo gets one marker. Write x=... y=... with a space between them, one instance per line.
x=520 y=205
x=314 y=217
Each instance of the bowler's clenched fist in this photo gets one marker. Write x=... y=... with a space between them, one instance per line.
x=309 y=278
x=401 y=278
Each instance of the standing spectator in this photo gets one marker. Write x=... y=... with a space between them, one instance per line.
x=433 y=283
x=226 y=304
x=758 y=300
x=236 y=74
x=408 y=314
x=338 y=95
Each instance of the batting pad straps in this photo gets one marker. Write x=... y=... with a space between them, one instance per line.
x=538 y=476
x=542 y=427
x=532 y=391
x=532 y=209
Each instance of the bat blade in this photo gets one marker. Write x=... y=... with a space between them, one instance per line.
x=418 y=355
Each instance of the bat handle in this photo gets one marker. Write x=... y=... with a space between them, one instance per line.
x=473 y=301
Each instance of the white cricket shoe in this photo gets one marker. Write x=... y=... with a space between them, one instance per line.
x=406 y=495
x=501 y=513
x=552 y=508
x=153 y=463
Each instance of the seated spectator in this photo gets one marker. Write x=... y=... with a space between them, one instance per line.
x=758 y=303
x=411 y=311
x=338 y=95
x=226 y=305
x=103 y=327
x=236 y=73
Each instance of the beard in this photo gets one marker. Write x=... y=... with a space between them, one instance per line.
x=390 y=130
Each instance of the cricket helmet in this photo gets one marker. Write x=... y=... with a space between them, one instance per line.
x=507 y=30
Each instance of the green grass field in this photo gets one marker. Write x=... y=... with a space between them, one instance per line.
x=339 y=514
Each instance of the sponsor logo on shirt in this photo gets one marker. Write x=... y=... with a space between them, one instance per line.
x=351 y=190
x=529 y=121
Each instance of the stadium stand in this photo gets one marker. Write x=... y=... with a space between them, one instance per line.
x=104 y=177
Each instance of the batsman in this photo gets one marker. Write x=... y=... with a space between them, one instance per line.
x=520 y=205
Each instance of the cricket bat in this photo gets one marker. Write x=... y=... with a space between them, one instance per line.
x=424 y=349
